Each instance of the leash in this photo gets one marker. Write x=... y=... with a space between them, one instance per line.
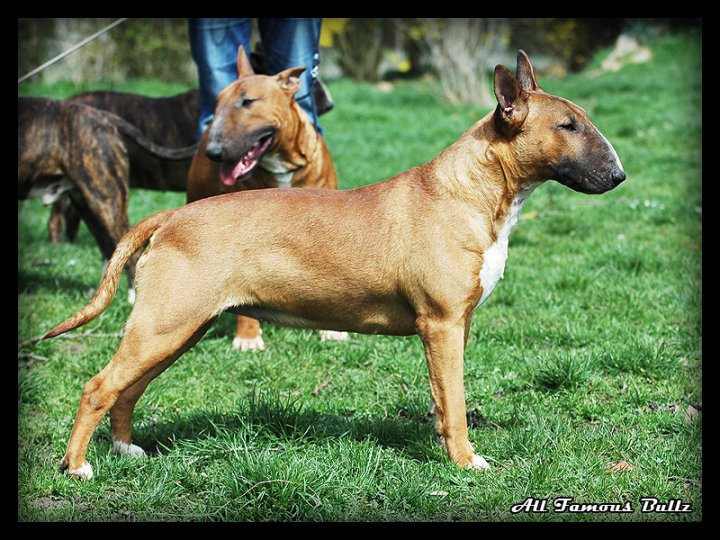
x=311 y=91
x=313 y=84
x=73 y=49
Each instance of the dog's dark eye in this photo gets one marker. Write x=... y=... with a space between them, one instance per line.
x=246 y=102
x=568 y=126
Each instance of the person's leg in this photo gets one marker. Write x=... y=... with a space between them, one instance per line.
x=289 y=43
x=214 y=44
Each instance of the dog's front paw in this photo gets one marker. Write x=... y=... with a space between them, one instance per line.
x=248 y=344
x=332 y=335
x=84 y=472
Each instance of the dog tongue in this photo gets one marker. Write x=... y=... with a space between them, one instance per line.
x=229 y=172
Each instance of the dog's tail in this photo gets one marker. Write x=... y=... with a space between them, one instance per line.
x=171 y=154
x=130 y=243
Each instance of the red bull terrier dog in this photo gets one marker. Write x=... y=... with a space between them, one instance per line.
x=420 y=252
x=260 y=138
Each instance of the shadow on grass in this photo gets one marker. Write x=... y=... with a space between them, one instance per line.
x=273 y=418
x=35 y=280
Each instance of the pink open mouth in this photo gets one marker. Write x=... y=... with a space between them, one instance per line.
x=231 y=172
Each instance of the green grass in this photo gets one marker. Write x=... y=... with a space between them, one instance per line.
x=587 y=354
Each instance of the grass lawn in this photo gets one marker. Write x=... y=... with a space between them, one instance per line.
x=583 y=370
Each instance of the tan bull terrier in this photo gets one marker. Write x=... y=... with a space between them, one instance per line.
x=419 y=253
x=260 y=138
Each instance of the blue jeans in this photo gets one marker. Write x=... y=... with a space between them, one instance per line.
x=286 y=42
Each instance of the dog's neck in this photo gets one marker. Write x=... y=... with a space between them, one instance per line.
x=478 y=171
x=293 y=140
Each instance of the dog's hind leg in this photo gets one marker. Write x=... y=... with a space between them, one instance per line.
x=56 y=223
x=63 y=217
x=144 y=352
x=121 y=412
x=101 y=195
x=72 y=222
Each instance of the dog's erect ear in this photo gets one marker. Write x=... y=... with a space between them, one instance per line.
x=525 y=73
x=512 y=106
x=244 y=67
x=289 y=80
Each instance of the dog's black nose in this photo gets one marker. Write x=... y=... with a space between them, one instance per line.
x=214 y=151
x=618 y=177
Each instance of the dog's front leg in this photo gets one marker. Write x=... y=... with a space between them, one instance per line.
x=444 y=350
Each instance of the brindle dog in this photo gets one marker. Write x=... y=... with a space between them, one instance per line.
x=65 y=147
x=260 y=138
x=169 y=121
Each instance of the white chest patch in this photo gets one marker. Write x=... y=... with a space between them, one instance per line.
x=495 y=256
x=272 y=163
